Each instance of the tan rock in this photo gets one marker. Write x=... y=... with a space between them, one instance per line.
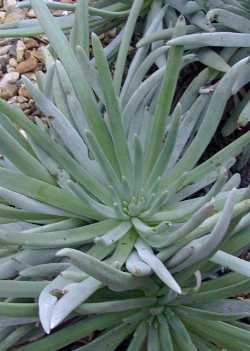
x=31 y=13
x=11 y=69
x=21 y=99
x=31 y=43
x=15 y=100
x=20 y=50
x=112 y=33
x=23 y=92
x=28 y=65
x=14 y=15
x=13 y=62
x=9 y=4
x=4 y=42
x=8 y=91
x=2 y=16
x=38 y=54
x=8 y=86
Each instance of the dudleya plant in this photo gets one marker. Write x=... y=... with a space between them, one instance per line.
x=215 y=23
x=103 y=15
x=202 y=16
x=106 y=225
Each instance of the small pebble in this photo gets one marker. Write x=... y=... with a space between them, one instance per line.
x=11 y=78
x=21 y=99
x=3 y=60
x=15 y=15
x=24 y=106
x=4 y=49
x=31 y=13
x=28 y=65
x=20 y=49
x=13 y=62
x=4 y=42
x=31 y=43
x=23 y=92
x=68 y=1
x=8 y=91
x=10 y=68
x=2 y=16
x=8 y=4
x=38 y=54
x=112 y=33
x=12 y=51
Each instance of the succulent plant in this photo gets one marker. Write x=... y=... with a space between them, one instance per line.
x=201 y=15
x=218 y=37
x=103 y=15
x=110 y=220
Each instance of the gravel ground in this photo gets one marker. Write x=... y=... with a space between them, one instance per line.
x=23 y=56
x=18 y=57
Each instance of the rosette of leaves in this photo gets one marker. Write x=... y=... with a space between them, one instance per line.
x=105 y=222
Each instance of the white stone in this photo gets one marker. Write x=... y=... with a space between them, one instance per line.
x=9 y=78
x=4 y=49
x=20 y=50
